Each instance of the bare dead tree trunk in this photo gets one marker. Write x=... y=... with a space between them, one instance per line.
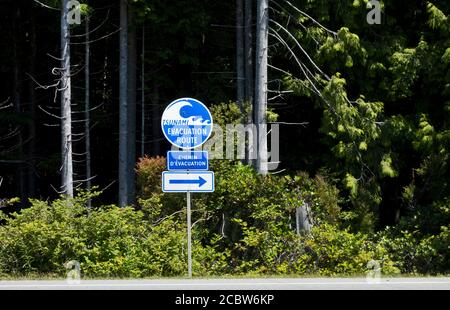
x=105 y=78
x=262 y=35
x=123 y=106
x=31 y=174
x=66 y=110
x=240 y=79
x=17 y=99
x=249 y=86
x=248 y=42
x=143 y=93
x=132 y=82
x=303 y=219
x=87 y=106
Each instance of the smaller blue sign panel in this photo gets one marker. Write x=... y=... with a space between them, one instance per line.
x=187 y=160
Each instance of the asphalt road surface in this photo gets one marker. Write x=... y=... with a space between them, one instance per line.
x=237 y=284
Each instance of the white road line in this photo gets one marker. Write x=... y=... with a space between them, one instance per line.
x=217 y=284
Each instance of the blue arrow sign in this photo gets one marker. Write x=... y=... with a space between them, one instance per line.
x=202 y=181
x=187 y=160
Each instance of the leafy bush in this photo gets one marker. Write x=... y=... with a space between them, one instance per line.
x=107 y=242
x=249 y=222
x=330 y=251
x=247 y=226
x=418 y=255
x=420 y=243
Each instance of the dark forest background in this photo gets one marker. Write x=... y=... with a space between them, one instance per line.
x=378 y=130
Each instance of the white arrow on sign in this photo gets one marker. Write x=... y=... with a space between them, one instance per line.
x=188 y=181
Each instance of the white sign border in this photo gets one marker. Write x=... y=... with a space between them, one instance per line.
x=188 y=172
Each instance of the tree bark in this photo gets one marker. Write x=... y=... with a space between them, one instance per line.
x=66 y=111
x=31 y=174
x=143 y=93
x=87 y=106
x=123 y=106
x=248 y=42
x=132 y=82
x=262 y=35
x=302 y=219
x=17 y=99
x=249 y=78
x=240 y=79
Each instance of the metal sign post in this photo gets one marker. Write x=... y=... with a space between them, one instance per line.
x=189 y=247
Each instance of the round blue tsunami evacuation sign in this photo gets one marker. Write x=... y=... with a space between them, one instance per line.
x=186 y=123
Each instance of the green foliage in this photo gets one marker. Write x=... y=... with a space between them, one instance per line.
x=418 y=255
x=246 y=227
x=386 y=166
x=232 y=113
x=330 y=251
x=342 y=50
x=446 y=56
x=228 y=113
x=405 y=66
x=351 y=183
x=9 y=202
x=389 y=145
x=420 y=243
x=424 y=135
x=437 y=19
x=380 y=109
x=325 y=201
x=249 y=219
x=108 y=242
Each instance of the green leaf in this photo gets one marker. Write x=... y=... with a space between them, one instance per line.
x=351 y=183
x=386 y=167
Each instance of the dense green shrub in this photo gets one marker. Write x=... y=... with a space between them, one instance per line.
x=417 y=254
x=264 y=239
x=107 y=242
x=249 y=222
x=420 y=243
x=240 y=191
x=331 y=251
x=325 y=251
x=247 y=226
